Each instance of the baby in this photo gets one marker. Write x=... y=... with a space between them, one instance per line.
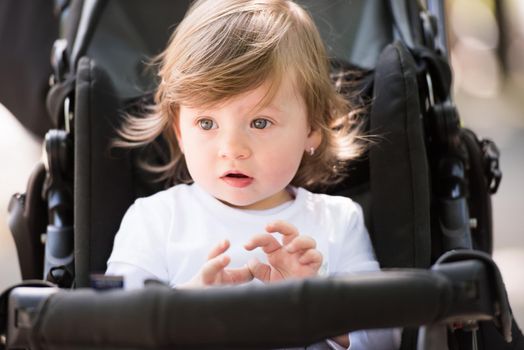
x=254 y=123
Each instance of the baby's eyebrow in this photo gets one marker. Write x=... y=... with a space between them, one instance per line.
x=202 y=112
x=271 y=107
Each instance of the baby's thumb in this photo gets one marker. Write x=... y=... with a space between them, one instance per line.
x=259 y=270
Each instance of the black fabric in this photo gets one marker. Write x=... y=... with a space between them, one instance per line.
x=355 y=31
x=356 y=85
x=438 y=68
x=491 y=338
x=405 y=18
x=479 y=198
x=103 y=183
x=27 y=32
x=71 y=23
x=298 y=312
x=87 y=25
x=126 y=35
x=399 y=176
x=27 y=220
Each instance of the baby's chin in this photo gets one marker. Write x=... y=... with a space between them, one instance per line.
x=258 y=203
x=246 y=203
x=239 y=204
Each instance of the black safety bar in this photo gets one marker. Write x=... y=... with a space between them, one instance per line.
x=295 y=312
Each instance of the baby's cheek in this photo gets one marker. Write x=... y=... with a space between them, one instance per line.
x=283 y=167
x=199 y=166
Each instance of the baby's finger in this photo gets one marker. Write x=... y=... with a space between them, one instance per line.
x=213 y=267
x=218 y=249
x=301 y=243
x=268 y=243
x=288 y=231
x=259 y=270
x=240 y=275
x=311 y=257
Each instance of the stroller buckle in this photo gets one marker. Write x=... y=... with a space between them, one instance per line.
x=492 y=170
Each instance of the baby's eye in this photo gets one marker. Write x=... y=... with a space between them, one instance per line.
x=260 y=123
x=206 y=124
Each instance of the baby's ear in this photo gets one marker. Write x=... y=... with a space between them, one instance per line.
x=314 y=139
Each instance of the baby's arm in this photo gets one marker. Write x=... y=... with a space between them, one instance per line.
x=214 y=271
x=296 y=257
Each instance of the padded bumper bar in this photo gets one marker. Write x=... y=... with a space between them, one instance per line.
x=286 y=314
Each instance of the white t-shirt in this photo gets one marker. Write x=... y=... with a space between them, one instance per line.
x=169 y=235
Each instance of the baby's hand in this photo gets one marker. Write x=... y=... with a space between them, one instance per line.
x=214 y=271
x=297 y=257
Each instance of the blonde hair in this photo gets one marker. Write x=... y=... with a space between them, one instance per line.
x=227 y=47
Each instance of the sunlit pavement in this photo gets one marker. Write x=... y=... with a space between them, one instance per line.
x=19 y=152
x=501 y=119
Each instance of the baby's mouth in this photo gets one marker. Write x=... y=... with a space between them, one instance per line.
x=237 y=179
x=237 y=176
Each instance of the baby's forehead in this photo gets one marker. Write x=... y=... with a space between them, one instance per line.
x=271 y=95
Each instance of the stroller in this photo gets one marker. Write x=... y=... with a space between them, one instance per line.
x=429 y=218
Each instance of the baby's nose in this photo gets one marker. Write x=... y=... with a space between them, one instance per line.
x=234 y=147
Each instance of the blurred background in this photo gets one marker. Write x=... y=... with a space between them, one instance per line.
x=487 y=54
x=486 y=38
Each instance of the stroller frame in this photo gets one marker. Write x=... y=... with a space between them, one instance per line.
x=463 y=285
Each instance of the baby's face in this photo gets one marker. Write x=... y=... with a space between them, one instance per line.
x=246 y=156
